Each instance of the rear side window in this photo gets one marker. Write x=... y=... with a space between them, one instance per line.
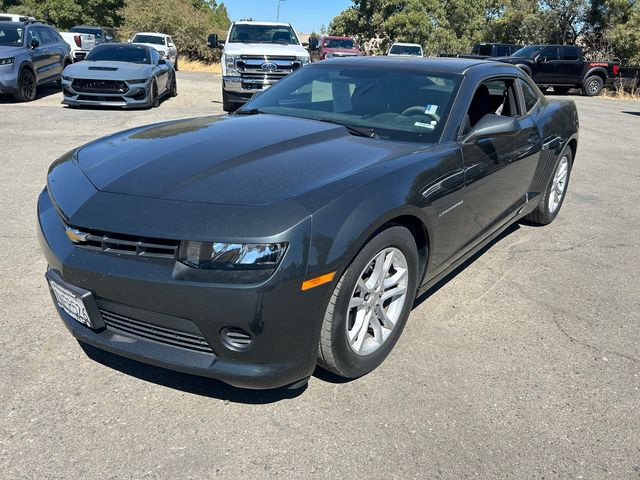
x=503 y=51
x=45 y=36
x=531 y=97
x=550 y=53
x=483 y=50
x=570 y=53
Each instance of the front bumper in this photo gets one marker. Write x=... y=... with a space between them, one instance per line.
x=138 y=96
x=8 y=79
x=283 y=322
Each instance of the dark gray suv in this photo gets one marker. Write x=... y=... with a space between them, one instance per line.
x=31 y=54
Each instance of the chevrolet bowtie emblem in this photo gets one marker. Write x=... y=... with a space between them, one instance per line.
x=76 y=236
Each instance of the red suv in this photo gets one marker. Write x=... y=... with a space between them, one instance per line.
x=330 y=47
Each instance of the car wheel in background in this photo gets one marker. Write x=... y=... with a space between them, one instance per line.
x=550 y=204
x=173 y=90
x=370 y=305
x=26 y=86
x=175 y=66
x=154 y=98
x=593 y=86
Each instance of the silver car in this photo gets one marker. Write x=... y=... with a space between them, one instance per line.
x=119 y=75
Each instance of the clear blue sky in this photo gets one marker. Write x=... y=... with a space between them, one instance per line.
x=305 y=15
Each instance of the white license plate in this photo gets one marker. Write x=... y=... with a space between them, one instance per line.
x=71 y=303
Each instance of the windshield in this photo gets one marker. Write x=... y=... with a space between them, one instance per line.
x=405 y=50
x=93 y=31
x=263 y=34
x=529 y=51
x=119 y=53
x=11 y=36
x=343 y=43
x=390 y=103
x=152 y=39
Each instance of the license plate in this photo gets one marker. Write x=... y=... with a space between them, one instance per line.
x=71 y=303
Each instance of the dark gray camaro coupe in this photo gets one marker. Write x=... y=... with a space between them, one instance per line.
x=299 y=230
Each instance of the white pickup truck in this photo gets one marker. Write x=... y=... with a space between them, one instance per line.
x=255 y=56
x=81 y=44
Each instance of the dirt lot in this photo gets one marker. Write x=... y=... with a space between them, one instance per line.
x=525 y=364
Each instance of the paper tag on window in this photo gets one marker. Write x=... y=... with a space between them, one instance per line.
x=431 y=108
x=424 y=125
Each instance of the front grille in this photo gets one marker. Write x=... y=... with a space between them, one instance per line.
x=148 y=331
x=115 y=87
x=262 y=70
x=124 y=244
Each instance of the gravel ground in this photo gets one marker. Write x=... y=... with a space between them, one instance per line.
x=524 y=364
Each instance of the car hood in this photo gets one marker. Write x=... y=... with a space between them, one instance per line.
x=234 y=160
x=108 y=70
x=11 y=51
x=346 y=51
x=264 y=49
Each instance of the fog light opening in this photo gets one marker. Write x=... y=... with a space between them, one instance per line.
x=236 y=339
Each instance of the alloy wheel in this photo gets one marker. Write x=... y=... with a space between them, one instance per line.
x=28 y=85
x=377 y=301
x=559 y=184
x=594 y=86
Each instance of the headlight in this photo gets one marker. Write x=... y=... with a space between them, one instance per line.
x=67 y=79
x=140 y=80
x=242 y=256
x=230 y=63
x=7 y=61
x=304 y=60
x=328 y=56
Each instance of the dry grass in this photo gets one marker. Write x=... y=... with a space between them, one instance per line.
x=620 y=94
x=187 y=65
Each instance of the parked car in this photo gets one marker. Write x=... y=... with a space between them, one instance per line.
x=255 y=56
x=32 y=54
x=161 y=42
x=486 y=50
x=250 y=247
x=563 y=68
x=119 y=75
x=405 y=50
x=12 y=17
x=81 y=44
x=102 y=34
x=327 y=47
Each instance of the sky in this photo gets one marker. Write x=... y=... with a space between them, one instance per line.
x=306 y=16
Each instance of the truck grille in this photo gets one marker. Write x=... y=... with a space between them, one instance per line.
x=124 y=244
x=148 y=331
x=257 y=71
x=115 y=87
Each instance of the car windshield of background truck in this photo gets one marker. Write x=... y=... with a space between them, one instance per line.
x=263 y=34
x=389 y=103
x=343 y=43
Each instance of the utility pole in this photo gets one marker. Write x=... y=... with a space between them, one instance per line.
x=278 y=11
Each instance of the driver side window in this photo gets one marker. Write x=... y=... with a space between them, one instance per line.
x=496 y=97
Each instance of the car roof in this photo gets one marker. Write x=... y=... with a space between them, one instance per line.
x=270 y=24
x=23 y=23
x=407 y=44
x=124 y=44
x=436 y=64
x=158 y=34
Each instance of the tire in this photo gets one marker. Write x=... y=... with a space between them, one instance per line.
x=26 y=86
x=175 y=66
x=228 y=105
x=349 y=351
x=173 y=90
x=593 y=86
x=544 y=214
x=154 y=98
x=561 y=90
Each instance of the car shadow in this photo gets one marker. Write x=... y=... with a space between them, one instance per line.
x=42 y=92
x=633 y=113
x=211 y=388
x=201 y=386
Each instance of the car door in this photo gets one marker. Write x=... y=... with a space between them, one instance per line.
x=161 y=72
x=39 y=55
x=51 y=62
x=570 y=64
x=498 y=169
x=548 y=64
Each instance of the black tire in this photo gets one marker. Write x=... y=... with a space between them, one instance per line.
x=542 y=215
x=154 y=98
x=228 y=105
x=593 y=86
x=334 y=352
x=26 y=86
x=561 y=90
x=173 y=90
x=175 y=67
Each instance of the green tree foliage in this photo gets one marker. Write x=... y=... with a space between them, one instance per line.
x=67 y=13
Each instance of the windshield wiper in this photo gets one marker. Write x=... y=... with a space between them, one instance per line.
x=356 y=130
x=251 y=111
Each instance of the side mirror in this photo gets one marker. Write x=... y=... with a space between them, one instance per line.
x=305 y=44
x=130 y=40
x=313 y=43
x=35 y=43
x=162 y=61
x=492 y=125
x=212 y=41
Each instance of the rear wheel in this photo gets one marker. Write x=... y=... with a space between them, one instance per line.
x=26 y=86
x=370 y=305
x=549 y=206
x=593 y=86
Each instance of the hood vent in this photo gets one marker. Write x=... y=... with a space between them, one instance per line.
x=105 y=69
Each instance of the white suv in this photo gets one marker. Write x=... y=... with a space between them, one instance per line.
x=255 y=56
x=163 y=43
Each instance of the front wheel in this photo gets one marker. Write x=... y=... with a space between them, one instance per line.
x=549 y=206
x=173 y=90
x=370 y=305
x=593 y=86
x=154 y=97
x=26 y=86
